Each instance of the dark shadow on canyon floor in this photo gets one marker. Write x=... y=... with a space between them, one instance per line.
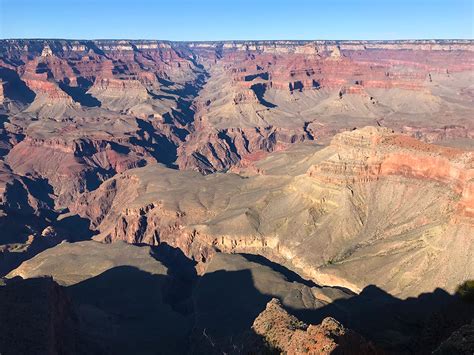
x=219 y=310
x=415 y=325
x=124 y=311
x=290 y=275
x=16 y=89
x=181 y=279
x=79 y=93
x=127 y=310
x=14 y=250
x=259 y=91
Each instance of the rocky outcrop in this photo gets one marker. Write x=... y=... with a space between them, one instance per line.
x=236 y=277
x=219 y=150
x=285 y=333
x=119 y=94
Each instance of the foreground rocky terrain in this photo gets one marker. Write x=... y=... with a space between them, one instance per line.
x=113 y=293
x=334 y=176
x=291 y=335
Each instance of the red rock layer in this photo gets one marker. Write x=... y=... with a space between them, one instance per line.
x=374 y=154
x=70 y=166
x=40 y=83
x=2 y=97
x=352 y=70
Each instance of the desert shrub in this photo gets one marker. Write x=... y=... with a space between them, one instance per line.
x=466 y=291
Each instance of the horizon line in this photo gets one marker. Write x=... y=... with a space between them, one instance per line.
x=228 y=40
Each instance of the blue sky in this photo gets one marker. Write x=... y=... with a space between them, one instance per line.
x=236 y=19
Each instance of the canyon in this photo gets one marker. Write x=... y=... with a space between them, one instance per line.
x=321 y=181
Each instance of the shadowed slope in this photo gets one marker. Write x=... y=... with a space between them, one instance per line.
x=121 y=292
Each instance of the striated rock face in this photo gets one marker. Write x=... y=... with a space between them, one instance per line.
x=285 y=333
x=370 y=154
x=295 y=87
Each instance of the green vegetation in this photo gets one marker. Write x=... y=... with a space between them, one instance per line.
x=466 y=291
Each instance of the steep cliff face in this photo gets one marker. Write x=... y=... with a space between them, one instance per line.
x=371 y=154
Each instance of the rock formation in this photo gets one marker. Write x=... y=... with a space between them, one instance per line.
x=106 y=282
x=289 y=335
